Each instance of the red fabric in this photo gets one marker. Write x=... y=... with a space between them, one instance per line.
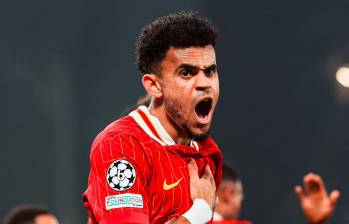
x=131 y=218
x=148 y=122
x=154 y=163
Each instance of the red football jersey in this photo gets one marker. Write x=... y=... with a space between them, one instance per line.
x=139 y=175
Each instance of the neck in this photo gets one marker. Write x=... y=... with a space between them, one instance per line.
x=178 y=135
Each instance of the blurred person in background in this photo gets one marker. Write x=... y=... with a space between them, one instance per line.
x=230 y=194
x=30 y=214
x=316 y=204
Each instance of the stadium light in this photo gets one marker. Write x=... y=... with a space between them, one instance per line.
x=342 y=76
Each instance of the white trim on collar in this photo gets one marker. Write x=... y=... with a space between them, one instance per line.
x=165 y=138
x=157 y=131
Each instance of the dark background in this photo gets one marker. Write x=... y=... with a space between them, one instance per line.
x=67 y=70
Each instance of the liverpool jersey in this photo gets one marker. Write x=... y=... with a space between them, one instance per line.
x=139 y=175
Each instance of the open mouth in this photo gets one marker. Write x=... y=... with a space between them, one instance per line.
x=203 y=108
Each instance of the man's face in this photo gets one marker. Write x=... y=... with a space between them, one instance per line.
x=230 y=196
x=190 y=88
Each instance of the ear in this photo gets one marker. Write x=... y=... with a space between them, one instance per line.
x=151 y=83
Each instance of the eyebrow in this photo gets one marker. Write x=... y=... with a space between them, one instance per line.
x=189 y=66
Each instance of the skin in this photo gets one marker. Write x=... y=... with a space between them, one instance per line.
x=188 y=75
x=202 y=187
x=316 y=204
x=46 y=219
x=230 y=196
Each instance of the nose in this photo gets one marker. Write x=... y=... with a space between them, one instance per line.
x=203 y=83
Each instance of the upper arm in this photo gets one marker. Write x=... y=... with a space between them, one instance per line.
x=118 y=181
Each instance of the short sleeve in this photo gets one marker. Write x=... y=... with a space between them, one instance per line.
x=118 y=185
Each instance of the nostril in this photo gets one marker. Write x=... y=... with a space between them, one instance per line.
x=203 y=88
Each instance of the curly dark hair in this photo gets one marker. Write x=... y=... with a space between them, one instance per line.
x=180 y=30
x=230 y=174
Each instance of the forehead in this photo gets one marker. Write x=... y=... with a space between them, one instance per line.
x=235 y=186
x=196 y=56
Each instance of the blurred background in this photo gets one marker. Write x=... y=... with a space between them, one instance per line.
x=67 y=70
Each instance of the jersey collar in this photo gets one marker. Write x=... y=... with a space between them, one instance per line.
x=152 y=126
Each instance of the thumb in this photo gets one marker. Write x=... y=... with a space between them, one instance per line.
x=299 y=192
x=209 y=176
x=193 y=169
x=334 y=197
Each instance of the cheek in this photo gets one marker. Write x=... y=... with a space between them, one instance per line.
x=216 y=96
x=173 y=87
x=217 y=87
x=182 y=92
x=173 y=102
x=237 y=200
x=177 y=96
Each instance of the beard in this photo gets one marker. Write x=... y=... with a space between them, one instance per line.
x=175 y=112
x=197 y=137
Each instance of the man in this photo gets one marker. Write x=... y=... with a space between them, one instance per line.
x=231 y=195
x=30 y=214
x=158 y=164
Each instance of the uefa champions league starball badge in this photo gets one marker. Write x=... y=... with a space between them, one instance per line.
x=121 y=175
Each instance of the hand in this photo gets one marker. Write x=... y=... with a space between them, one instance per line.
x=202 y=187
x=317 y=205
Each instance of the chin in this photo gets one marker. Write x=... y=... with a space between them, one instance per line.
x=199 y=136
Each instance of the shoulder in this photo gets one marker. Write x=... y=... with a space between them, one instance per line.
x=121 y=127
x=122 y=138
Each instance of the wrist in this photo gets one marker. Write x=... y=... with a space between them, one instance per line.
x=199 y=213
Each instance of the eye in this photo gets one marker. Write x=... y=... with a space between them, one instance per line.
x=187 y=72
x=210 y=71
